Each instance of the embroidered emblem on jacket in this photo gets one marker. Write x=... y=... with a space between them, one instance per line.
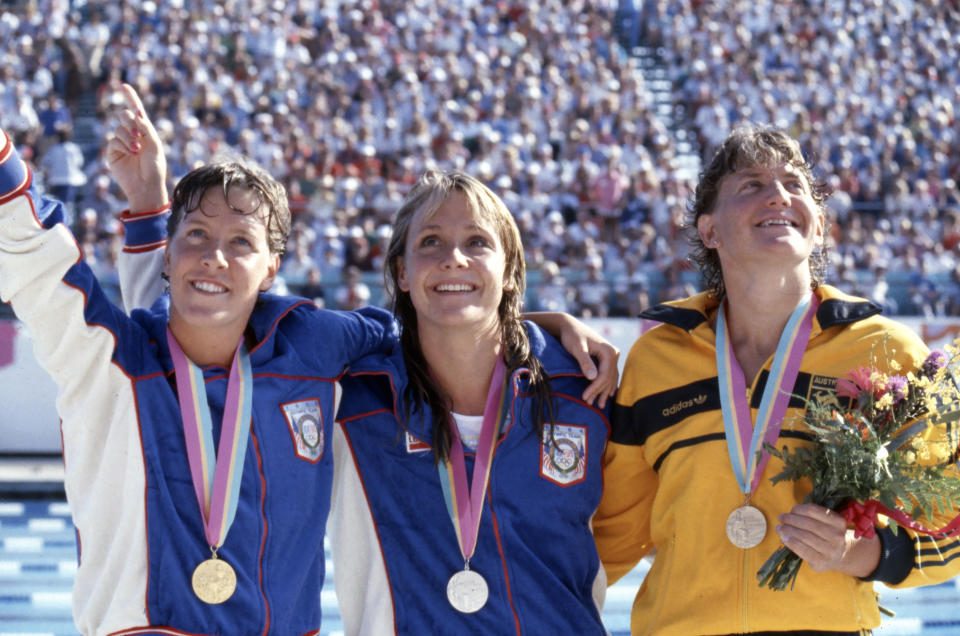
x=305 y=420
x=563 y=460
x=821 y=386
x=414 y=444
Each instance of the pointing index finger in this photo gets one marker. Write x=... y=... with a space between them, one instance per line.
x=133 y=100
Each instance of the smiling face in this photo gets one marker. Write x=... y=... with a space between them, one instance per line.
x=764 y=215
x=750 y=147
x=453 y=268
x=218 y=261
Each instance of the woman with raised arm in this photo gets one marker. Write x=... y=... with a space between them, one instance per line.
x=194 y=432
x=574 y=430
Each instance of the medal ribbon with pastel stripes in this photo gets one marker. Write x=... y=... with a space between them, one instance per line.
x=744 y=439
x=466 y=505
x=216 y=477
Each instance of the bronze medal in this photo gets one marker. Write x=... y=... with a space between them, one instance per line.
x=746 y=527
x=214 y=581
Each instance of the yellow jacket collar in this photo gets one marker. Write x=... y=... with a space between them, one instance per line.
x=836 y=308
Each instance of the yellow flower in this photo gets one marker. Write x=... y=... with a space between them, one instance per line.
x=940 y=451
x=909 y=457
x=885 y=402
x=894 y=365
x=878 y=379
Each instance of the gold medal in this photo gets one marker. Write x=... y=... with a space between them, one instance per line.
x=214 y=581
x=746 y=527
x=216 y=477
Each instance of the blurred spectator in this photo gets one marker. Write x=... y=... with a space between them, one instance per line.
x=358 y=252
x=353 y=293
x=62 y=166
x=297 y=264
x=104 y=204
x=312 y=287
x=553 y=293
x=347 y=103
x=952 y=293
x=593 y=292
x=609 y=190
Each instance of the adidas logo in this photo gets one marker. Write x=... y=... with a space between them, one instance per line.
x=684 y=404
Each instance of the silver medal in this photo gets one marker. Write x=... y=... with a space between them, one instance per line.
x=467 y=591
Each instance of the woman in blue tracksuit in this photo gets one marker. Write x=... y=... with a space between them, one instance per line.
x=298 y=432
x=412 y=556
x=150 y=559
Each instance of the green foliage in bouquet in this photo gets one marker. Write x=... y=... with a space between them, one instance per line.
x=882 y=438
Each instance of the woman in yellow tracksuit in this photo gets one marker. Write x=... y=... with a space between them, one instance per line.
x=673 y=476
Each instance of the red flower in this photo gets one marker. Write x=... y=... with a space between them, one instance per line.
x=862 y=516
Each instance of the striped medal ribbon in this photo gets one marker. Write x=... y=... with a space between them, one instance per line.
x=467 y=590
x=746 y=525
x=216 y=477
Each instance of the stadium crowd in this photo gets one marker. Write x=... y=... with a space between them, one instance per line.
x=549 y=103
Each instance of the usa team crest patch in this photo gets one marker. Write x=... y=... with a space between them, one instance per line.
x=415 y=444
x=306 y=427
x=563 y=460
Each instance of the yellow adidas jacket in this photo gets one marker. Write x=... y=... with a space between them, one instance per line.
x=668 y=483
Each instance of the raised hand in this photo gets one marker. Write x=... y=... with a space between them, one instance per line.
x=135 y=156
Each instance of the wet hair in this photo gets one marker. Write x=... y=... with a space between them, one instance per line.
x=226 y=174
x=426 y=196
x=749 y=146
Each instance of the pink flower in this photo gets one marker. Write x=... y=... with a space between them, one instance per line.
x=847 y=389
x=860 y=381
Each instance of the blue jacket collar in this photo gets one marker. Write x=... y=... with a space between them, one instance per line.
x=392 y=368
x=267 y=313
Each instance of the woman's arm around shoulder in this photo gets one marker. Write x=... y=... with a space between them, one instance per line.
x=584 y=344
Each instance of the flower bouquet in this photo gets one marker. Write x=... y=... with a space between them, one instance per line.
x=889 y=451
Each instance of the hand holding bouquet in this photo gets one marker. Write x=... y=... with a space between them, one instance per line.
x=890 y=451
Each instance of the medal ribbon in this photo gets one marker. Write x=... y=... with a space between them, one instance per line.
x=744 y=439
x=465 y=505
x=216 y=478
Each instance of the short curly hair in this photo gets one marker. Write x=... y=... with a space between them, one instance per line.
x=229 y=172
x=748 y=146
